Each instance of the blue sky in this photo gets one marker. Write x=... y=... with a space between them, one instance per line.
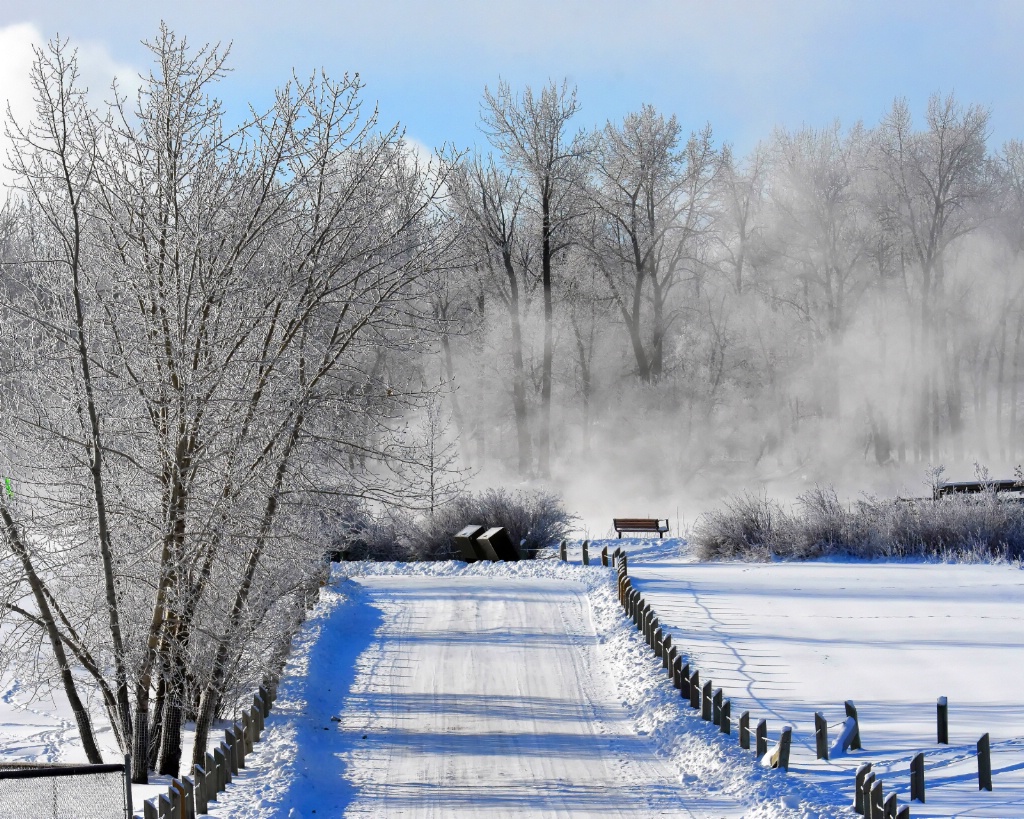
x=742 y=66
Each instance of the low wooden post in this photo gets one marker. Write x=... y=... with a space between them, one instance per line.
x=780 y=759
x=706 y=703
x=984 y=764
x=725 y=717
x=202 y=798
x=190 y=797
x=213 y=786
x=716 y=707
x=695 y=689
x=562 y=552
x=604 y=556
x=917 y=778
x=624 y=564
x=903 y=813
x=851 y=713
x=231 y=741
x=670 y=661
x=761 y=738
x=239 y=746
x=889 y=807
x=150 y=810
x=586 y=552
x=228 y=753
x=820 y=736
x=684 y=680
x=666 y=647
x=942 y=714
x=858 y=790
x=865 y=794
x=876 y=800
x=745 y=730
x=657 y=643
x=164 y=806
x=246 y=733
x=264 y=696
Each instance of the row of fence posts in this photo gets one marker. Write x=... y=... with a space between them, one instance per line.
x=869 y=798
x=189 y=797
x=606 y=559
x=701 y=695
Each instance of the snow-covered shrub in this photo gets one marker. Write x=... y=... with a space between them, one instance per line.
x=747 y=526
x=961 y=527
x=536 y=517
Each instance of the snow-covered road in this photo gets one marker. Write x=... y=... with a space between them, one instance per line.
x=470 y=695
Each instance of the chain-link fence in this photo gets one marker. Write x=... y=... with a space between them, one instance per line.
x=42 y=791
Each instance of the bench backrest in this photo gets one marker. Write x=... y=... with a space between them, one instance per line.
x=637 y=523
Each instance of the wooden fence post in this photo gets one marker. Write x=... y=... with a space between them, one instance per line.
x=984 y=764
x=851 y=713
x=865 y=793
x=150 y=810
x=202 y=797
x=917 y=778
x=239 y=746
x=889 y=806
x=677 y=671
x=706 y=703
x=264 y=695
x=604 y=556
x=684 y=680
x=213 y=786
x=562 y=552
x=780 y=759
x=745 y=730
x=761 y=738
x=190 y=797
x=903 y=813
x=877 y=805
x=228 y=754
x=858 y=790
x=247 y=742
x=165 y=807
x=724 y=718
x=695 y=689
x=820 y=736
x=666 y=645
x=716 y=707
x=586 y=552
x=657 y=643
x=625 y=563
x=942 y=713
x=230 y=741
x=669 y=660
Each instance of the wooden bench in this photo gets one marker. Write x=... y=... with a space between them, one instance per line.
x=640 y=525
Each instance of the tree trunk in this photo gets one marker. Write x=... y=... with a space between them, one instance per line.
x=82 y=719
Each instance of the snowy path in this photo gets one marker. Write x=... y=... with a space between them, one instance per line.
x=472 y=696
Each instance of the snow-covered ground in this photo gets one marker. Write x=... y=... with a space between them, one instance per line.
x=523 y=690
x=784 y=640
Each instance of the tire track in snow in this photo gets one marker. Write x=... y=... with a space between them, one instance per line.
x=488 y=699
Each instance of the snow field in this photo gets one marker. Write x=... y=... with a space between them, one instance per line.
x=787 y=639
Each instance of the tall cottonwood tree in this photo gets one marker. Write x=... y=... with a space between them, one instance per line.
x=934 y=181
x=532 y=134
x=651 y=214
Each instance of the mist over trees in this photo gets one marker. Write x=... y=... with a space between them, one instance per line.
x=842 y=294
x=223 y=340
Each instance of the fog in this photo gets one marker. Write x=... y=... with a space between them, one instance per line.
x=842 y=307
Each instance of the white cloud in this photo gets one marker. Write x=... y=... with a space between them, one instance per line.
x=97 y=68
